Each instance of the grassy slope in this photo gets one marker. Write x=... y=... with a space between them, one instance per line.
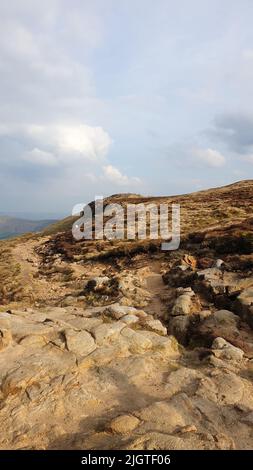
x=199 y=210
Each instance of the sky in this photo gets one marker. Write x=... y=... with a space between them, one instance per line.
x=112 y=96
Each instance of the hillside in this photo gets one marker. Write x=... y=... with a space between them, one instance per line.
x=12 y=226
x=198 y=210
x=118 y=345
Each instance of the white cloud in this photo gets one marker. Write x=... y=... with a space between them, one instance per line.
x=112 y=174
x=209 y=157
x=62 y=68
x=90 y=142
x=39 y=157
x=39 y=73
x=59 y=142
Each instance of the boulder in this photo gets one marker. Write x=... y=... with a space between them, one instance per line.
x=211 y=282
x=182 y=305
x=117 y=311
x=224 y=317
x=244 y=305
x=22 y=326
x=156 y=326
x=166 y=345
x=80 y=343
x=137 y=342
x=224 y=350
x=179 y=327
x=97 y=283
x=180 y=276
x=107 y=332
x=221 y=323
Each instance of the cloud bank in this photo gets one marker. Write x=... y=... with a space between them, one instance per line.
x=107 y=95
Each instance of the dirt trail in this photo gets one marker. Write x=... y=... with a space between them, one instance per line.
x=25 y=255
x=158 y=290
x=35 y=288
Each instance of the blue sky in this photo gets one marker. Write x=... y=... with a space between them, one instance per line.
x=114 y=96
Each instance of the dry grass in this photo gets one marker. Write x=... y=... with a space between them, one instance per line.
x=10 y=285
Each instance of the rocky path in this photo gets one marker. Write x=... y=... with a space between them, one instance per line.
x=158 y=291
x=104 y=380
x=104 y=372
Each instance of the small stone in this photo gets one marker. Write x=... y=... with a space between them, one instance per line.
x=189 y=428
x=124 y=424
x=156 y=326
x=130 y=319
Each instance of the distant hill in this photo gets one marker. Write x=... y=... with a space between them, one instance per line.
x=12 y=226
x=199 y=210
